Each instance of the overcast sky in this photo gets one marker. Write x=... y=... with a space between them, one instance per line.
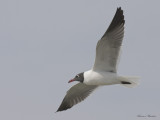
x=44 y=43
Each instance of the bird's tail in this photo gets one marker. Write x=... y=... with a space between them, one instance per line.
x=129 y=81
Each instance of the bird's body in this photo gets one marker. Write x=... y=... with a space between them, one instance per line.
x=92 y=77
x=104 y=70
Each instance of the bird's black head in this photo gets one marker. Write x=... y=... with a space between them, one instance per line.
x=79 y=77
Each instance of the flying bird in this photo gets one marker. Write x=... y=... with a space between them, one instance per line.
x=104 y=70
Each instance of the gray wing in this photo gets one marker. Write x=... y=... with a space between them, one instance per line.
x=76 y=94
x=107 y=50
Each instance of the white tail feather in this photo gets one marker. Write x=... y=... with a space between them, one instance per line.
x=131 y=79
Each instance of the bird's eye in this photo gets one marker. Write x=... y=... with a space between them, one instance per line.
x=77 y=76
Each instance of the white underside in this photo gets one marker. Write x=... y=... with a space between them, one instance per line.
x=92 y=77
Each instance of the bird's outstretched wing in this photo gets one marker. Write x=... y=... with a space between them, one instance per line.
x=76 y=94
x=107 y=50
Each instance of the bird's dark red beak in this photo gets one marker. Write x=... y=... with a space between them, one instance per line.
x=71 y=80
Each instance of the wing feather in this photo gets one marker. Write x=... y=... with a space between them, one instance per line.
x=107 y=50
x=76 y=94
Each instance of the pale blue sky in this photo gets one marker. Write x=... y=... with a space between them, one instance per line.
x=44 y=43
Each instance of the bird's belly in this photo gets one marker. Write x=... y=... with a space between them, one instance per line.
x=102 y=79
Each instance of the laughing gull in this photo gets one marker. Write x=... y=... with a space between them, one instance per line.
x=104 y=71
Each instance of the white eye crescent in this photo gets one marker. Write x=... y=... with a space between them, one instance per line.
x=77 y=75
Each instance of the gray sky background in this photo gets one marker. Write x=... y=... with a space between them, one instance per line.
x=44 y=43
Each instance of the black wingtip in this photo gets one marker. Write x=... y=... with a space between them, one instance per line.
x=63 y=106
x=118 y=7
x=59 y=110
x=118 y=19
